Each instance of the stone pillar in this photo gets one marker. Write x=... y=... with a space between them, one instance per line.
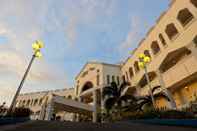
x=102 y=104
x=167 y=92
x=94 y=114
x=77 y=115
x=49 y=111
x=193 y=49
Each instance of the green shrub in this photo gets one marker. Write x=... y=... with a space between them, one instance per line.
x=20 y=112
x=158 y=114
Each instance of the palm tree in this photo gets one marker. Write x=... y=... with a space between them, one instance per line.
x=113 y=97
x=146 y=100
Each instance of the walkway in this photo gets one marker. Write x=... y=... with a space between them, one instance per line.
x=72 y=126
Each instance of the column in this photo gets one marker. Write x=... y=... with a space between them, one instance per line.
x=94 y=114
x=77 y=115
x=102 y=104
x=167 y=92
x=193 y=49
x=49 y=111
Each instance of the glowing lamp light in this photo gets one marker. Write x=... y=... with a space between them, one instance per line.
x=147 y=59
x=141 y=64
x=141 y=56
x=38 y=54
x=37 y=45
x=40 y=44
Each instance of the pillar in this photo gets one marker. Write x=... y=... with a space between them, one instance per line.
x=49 y=111
x=94 y=114
x=193 y=49
x=167 y=92
x=102 y=104
x=77 y=115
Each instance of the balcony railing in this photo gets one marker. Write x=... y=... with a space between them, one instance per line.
x=181 y=70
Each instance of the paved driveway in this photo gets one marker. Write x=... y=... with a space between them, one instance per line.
x=72 y=126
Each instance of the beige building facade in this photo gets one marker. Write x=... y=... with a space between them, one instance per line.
x=172 y=46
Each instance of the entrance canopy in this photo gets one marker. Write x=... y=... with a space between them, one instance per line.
x=62 y=104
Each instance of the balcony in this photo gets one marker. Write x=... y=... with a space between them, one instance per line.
x=145 y=90
x=183 y=69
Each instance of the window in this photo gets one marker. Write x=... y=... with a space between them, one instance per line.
x=171 y=31
x=136 y=66
x=123 y=78
x=28 y=102
x=195 y=40
x=40 y=102
x=69 y=97
x=147 y=53
x=118 y=80
x=127 y=76
x=35 y=102
x=131 y=72
x=113 y=78
x=97 y=80
x=194 y=2
x=162 y=39
x=108 y=79
x=184 y=16
x=155 y=47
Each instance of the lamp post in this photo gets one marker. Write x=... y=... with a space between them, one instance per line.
x=36 y=53
x=144 y=60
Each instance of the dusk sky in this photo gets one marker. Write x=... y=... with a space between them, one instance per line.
x=74 y=32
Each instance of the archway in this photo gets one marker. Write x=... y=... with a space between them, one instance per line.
x=87 y=85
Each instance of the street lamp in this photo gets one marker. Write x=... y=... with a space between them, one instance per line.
x=37 y=45
x=144 y=60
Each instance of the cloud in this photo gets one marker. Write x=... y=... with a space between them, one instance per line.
x=22 y=22
x=71 y=32
x=84 y=13
x=133 y=35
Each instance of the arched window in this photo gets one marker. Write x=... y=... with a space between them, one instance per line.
x=127 y=76
x=40 y=102
x=118 y=80
x=69 y=97
x=131 y=72
x=194 y=2
x=24 y=102
x=28 y=103
x=162 y=39
x=113 y=78
x=184 y=16
x=147 y=53
x=195 y=40
x=108 y=79
x=136 y=66
x=35 y=102
x=123 y=78
x=171 y=31
x=155 y=47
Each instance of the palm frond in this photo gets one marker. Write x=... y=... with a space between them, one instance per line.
x=109 y=103
x=128 y=97
x=123 y=86
x=163 y=95
x=109 y=91
x=114 y=86
x=155 y=88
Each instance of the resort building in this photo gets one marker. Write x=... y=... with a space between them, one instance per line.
x=172 y=46
x=37 y=100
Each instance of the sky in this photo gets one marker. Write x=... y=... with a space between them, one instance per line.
x=74 y=32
